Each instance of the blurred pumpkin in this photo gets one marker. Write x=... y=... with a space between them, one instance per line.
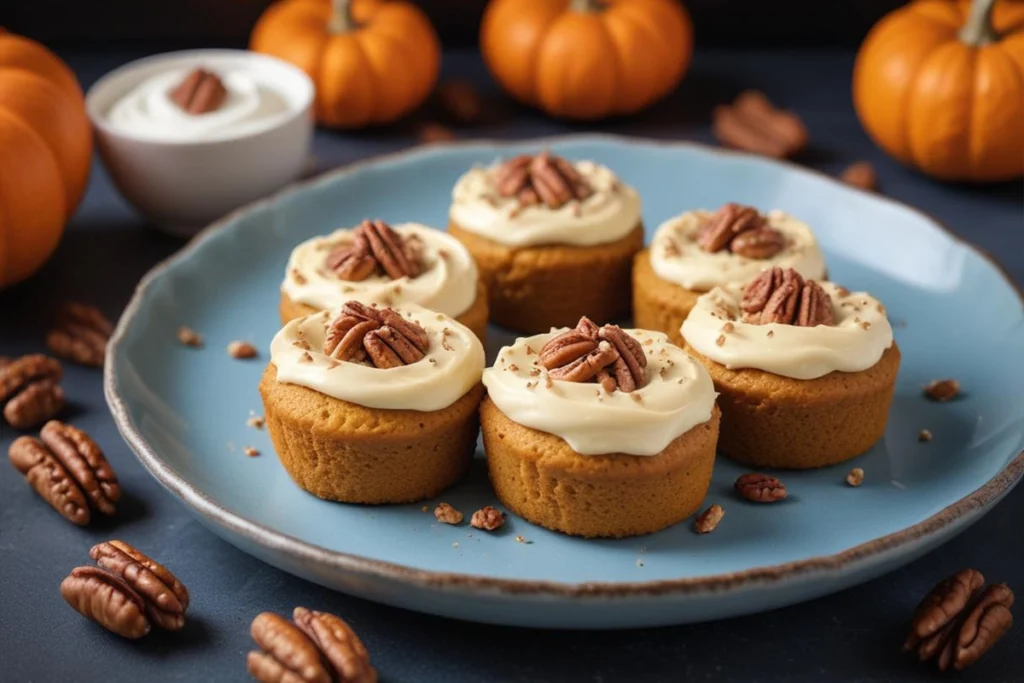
x=45 y=151
x=587 y=59
x=372 y=61
x=939 y=84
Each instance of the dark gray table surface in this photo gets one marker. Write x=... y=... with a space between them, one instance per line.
x=852 y=636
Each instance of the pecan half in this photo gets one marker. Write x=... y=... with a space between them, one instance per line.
x=202 y=91
x=107 y=600
x=942 y=390
x=49 y=479
x=381 y=337
x=760 y=488
x=374 y=247
x=605 y=354
x=544 y=178
x=287 y=654
x=84 y=460
x=753 y=124
x=80 y=335
x=165 y=598
x=959 y=621
x=783 y=296
x=628 y=368
x=21 y=372
x=708 y=520
x=742 y=230
x=338 y=643
x=488 y=518
x=35 y=404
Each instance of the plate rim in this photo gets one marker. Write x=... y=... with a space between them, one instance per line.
x=970 y=505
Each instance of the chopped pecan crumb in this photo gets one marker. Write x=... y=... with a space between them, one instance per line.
x=760 y=488
x=942 y=389
x=432 y=131
x=250 y=451
x=302 y=344
x=298 y=277
x=753 y=124
x=447 y=514
x=189 y=337
x=604 y=354
x=924 y=436
x=488 y=518
x=783 y=296
x=855 y=477
x=544 y=178
x=242 y=350
x=720 y=341
x=459 y=101
x=708 y=520
x=861 y=174
x=80 y=334
x=202 y=91
x=380 y=337
x=256 y=422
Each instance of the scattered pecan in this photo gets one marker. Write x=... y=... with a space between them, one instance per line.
x=380 y=337
x=783 y=296
x=924 y=436
x=251 y=452
x=544 y=178
x=107 y=600
x=432 y=131
x=49 y=478
x=488 y=518
x=588 y=352
x=942 y=390
x=753 y=124
x=860 y=174
x=459 y=102
x=855 y=477
x=242 y=350
x=318 y=648
x=447 y=514
x=189 y=337
x=708 y=520
x=80 y=335
x=374 y=247
x=200 y=92
x=84 y=460
x=165 y=598
x=28 y=387
x=742 y=230
x=760 y=488
x=959 y=620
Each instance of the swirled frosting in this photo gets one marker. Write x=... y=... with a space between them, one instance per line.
x=856 y=341
x=677 y=257
x=447 y=283
x=452 y=366
x=678 y=395
x=609 y=214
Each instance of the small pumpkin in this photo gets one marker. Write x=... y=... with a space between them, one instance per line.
x=372 y=61
x=45 y=152
x=939 y=84
x=587 y=59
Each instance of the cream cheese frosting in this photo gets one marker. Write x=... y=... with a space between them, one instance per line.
x=678 y=396
x=447 y=283
x=609 y=214
x=856 y=341
x=677 y=257
x=452 y=366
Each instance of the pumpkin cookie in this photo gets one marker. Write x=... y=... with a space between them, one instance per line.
x=805 y=370
x=374 y=405
x=699 y=250
x=375 y=263
x=554 y=240
x=599 y=431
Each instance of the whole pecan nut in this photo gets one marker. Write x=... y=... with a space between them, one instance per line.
x=200 y=92
x=544 y=178
x=338 y=643
x=760 y=488
x=374 y=247
x=381 y=337
x=587 y=352
x=28 y=386
x=165 y=598
x=23 y=371
x=288 y=654
x=84 y=460
x=107 y=600
x=80 y=335
x=49 y=479
x=753 y=124
x=783 y=296
x=960 y=620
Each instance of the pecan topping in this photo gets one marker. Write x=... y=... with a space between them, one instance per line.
x=741 y=230
x=28 y=387
x=942 y=389
x=107 y=600
x=959 y=621
x=783 y=296
x=49 y=478
x=488 y=518
x=80 y=335
x=84 y=460
x=708 y=520
x=760 y=488
x=588 y=352
x=544 y=178
x=447 y=514
x=202 y=91
x=165 y=598
x=374 y=247
x=379 y=337
x=753 y=124
x=319 y=648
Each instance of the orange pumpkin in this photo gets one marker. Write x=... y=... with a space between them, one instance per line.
x=372 y=61
x=587 y=59
x=939 y=84
x=45 y=151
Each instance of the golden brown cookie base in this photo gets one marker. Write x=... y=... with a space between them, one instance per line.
x=774 y=421
x=532 y=289
x=539 y=477
x=350 y=453
x=658 y=304
x=474 y=317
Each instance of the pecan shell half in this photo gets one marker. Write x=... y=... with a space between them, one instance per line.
x=107 y=600
x=165 y=598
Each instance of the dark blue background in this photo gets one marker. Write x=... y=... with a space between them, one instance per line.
x=853 y=636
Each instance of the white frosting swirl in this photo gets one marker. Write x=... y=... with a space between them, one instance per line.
x=452 y=366
x=856 y=342
x=678 y=395
x=447 y=283
x=148 y=110
x=676 y=256
x=609 y=214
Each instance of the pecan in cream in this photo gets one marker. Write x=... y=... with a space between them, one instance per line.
x=376 y=336
x=202 y=91
x=604 y=354
x=783 y=296
x=542 y=179
x=741 y=230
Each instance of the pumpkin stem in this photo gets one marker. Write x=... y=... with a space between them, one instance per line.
x=585 y=6
x=978 y=30
x=341 y=17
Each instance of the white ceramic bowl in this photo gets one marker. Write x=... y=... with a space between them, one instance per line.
x=181 y=185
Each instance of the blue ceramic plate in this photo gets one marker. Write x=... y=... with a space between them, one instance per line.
x=184 y=410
